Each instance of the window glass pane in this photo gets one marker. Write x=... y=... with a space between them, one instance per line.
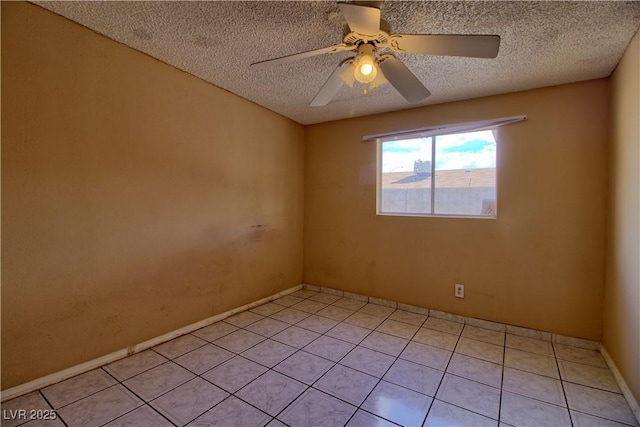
x=406 y=176
x=465 y=181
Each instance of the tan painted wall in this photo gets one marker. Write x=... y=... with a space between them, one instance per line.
x=622 y=289
x=136 y=199
x=539 y=265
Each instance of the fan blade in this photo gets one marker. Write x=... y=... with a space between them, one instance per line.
x=403 y=79
x=447 y=45
x=361 y=19
x=284 y=59
x=330 y=87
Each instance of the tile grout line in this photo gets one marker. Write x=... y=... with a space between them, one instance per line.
x=332 y=365
x=233 y=394
x=465 y=378
x=338 y=361
x=271 y=368
x=533 y=373
x=557 y=361
x=445 y=371
x=199 y=375
x=504 y=355
x=521 y=370
x=144 y=402
x=51 y=406
x=268 y=368
x=273 y=417
x=171 y=360
x=335 y=363
x=343 y=357
x=359 y=407
x=301 y=349
x=101 y=368
x=564 y=392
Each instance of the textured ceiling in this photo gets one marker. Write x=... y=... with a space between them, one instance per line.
x=543 y=43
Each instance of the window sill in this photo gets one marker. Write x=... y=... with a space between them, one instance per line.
x=437 y=215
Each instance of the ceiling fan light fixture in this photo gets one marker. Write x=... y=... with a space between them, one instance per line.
x=348 y=75
x=366 y=68
x=378 y=81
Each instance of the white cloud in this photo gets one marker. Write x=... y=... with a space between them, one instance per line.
x=451 y=152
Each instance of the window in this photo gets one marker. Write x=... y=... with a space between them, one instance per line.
x=445 y=171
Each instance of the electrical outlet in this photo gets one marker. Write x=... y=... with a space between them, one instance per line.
x=459 y=291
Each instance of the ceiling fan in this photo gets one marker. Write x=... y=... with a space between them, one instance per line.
x=375 y=63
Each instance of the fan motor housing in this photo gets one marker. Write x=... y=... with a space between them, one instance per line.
x=382 y=38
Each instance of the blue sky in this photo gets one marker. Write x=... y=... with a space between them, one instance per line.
x=459 y=151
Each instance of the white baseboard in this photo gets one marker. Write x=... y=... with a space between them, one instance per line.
x=626 y=392
x=39 y=383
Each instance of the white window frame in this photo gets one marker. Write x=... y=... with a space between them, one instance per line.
x=433 y=132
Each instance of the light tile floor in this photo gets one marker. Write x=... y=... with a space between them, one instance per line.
x=314 y=359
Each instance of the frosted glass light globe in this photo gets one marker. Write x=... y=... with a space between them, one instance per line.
x=366 y=69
